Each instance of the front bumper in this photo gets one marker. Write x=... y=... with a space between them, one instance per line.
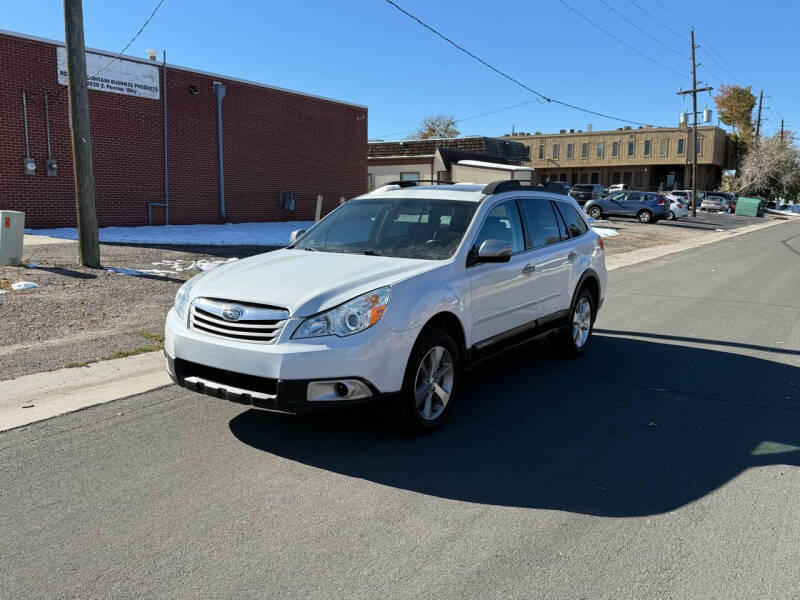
x=276 y=376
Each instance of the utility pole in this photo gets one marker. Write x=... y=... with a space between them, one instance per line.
x=758 y=122
x=693 y=92
x=88 y=243
x=781 y=132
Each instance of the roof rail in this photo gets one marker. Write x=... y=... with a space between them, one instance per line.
x=509 y=185
x=405 y=184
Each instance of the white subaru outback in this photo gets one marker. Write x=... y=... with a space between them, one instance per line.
x=389 y=298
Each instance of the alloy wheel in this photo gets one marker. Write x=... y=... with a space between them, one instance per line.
x=434 y=383
x=581 y=322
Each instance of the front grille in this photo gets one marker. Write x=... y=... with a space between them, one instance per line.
x=256 y=323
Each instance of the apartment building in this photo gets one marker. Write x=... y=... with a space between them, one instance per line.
x=647 y=158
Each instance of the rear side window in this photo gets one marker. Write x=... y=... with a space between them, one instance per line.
x=575 y=224
x=541 y=226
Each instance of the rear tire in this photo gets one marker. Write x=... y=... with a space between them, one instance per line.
x=596 y=212
x=645 y=216
x=430 y=386
x=576 y=337
x=672 y=216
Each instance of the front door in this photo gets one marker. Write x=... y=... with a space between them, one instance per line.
x=501 y=292
x=632 y=203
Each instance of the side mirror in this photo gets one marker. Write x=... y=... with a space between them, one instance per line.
x=297 y=233
x=493 y=251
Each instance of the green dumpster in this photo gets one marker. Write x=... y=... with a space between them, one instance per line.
x=750 y=207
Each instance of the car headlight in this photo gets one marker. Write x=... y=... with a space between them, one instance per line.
x=351 y=317
x=182 y=297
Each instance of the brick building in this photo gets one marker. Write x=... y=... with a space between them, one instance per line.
x=274 y=140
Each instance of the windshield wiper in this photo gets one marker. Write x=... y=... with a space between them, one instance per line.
x=308 y=249
x=371 y=253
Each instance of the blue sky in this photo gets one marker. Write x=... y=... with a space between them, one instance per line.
x=369 y=53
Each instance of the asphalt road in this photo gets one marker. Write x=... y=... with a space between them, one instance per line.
x=663 y=464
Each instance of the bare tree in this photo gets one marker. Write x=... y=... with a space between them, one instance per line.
x=436 y=126
x=771 y=167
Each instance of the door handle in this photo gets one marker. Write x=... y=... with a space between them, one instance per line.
x=528 y=269
x=572 y=255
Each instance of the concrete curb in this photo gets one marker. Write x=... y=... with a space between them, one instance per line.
x=53 y=393
x=41 y=396
x=625 y=259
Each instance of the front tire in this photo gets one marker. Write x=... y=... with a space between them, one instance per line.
x=430 y=386
x=576 y=337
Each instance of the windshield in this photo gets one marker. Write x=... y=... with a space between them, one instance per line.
x=397 y=227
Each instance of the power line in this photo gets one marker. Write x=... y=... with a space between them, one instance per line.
x=657 y=20
x=121 y=52
x=484 y=114
x=647 y=33
x=621 y=41
x=506 y=75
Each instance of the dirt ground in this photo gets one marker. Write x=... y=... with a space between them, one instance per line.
x=79 y=315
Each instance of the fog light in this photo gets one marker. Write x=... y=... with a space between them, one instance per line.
x=345 y=389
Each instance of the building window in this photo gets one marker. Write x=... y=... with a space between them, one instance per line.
x=664 y=147
x=574 y=179
x=410 y=176
x=680 y=145
x=600 y=150
x=584 y=178
x=615 y=149
x=555 y=150
x=626 y=178
x=615 y=177
x=699 y=147
x=443 y=176
x=370 y=183
x=647 y=147
x=570 y=150
x=637 y=180
x=563 y=177
x=585 y=150
x=541 y=151
x=631 y=148
x=595 y=177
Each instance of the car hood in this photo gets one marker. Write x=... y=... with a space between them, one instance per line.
x=306 y=282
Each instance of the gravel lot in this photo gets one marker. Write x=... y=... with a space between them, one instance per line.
x=80 y=314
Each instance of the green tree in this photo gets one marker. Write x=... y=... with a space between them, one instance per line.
x=436 y=126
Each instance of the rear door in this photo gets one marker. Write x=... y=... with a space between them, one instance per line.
x=546 y=236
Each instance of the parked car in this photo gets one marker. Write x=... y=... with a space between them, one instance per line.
x=617 y=187
x=583 y=192
x=388 y=299
x=648 y=207
x=557 y=187
x=678 y=207
x=714 y=203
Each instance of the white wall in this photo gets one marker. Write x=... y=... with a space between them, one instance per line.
x=467 y=173
x=383 y=174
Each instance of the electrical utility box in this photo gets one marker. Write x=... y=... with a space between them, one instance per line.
x=12 y=228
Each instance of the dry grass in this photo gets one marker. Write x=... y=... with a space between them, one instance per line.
x=156 y=338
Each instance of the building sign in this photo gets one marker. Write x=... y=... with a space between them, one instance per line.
x=126 y=77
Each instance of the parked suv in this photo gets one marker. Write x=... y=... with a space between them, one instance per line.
x=648 y=207
x=388 y=299
x=583 y=192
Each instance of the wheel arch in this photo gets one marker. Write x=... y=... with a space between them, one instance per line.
x=450 y=324
x=591 y=281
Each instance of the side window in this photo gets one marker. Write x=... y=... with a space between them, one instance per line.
x=502 y=223
x=635 y=196
x=540 y=222
x=576 y=225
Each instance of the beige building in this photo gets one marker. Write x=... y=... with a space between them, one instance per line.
x=646 y=158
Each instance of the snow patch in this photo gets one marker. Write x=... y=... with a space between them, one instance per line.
x=230 y=234
x=789 y=212
x=128 y=272
x=24 y=285
x=605 y=232
x=177 y=266
x=33 y=265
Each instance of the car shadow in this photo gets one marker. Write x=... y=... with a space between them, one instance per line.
x=632 y=428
